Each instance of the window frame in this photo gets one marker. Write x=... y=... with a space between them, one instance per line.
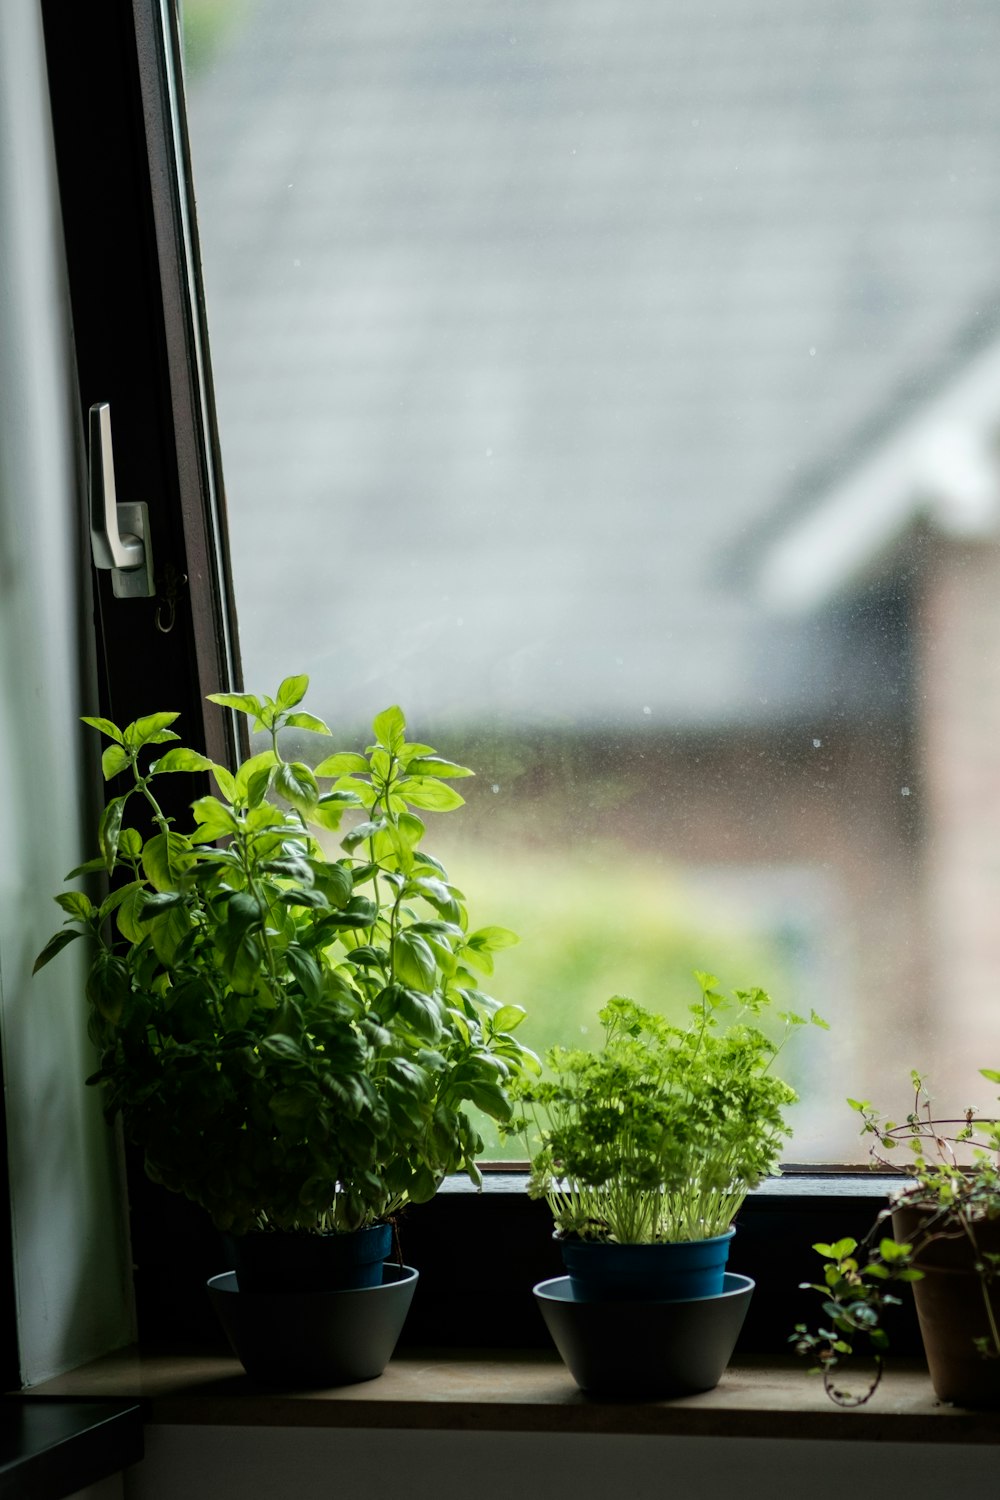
x=141 y=344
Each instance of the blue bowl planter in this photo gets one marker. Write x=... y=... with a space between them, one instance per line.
x=646 y=1349
x=627 y=1273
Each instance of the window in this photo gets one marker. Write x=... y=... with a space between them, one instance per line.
x=141 y=345
x=615 y=386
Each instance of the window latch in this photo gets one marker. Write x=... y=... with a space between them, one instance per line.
x=119 y=533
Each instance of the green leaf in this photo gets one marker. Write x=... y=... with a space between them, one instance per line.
x=105 y=726
x=336 y=882
x=113 y=761
x=490 y=1098
x=436 y=765
x=341 y=764
x=492 y=938
x=109 y=830
x=413 y=962
x=129 y=917
x=292 y=691
x=244 y=703
x=55 y=945
x=390 y=727
x=838 y=1250
x=990 y=1074
x=434 y=796
x=306 y=721
x=130 y=843
x=79 y=906
x=167 y=860
x=508 y=1017
x=362 y=832
x=181 y=759
x=108 y=985
x=297 y=784
x=420 y=1011
x=168 y=931
x=250 y=769
x=225 y=781
x=149 y=730
x=213 y=819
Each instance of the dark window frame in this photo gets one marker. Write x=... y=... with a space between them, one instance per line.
x=141 y=344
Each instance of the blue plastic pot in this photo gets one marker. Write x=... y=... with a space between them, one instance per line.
x=635 y=1273
x=278 y=1262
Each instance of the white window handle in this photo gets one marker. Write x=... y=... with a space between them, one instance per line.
x=119 y=534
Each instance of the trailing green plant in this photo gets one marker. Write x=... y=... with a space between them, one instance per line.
x=293 y=1040
x=660 y=1134
x=953 y=1181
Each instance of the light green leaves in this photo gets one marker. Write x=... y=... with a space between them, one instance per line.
x=435 y=796
x=312 y=1003
x=114 y=760
x=390 y=728
x=180 y=759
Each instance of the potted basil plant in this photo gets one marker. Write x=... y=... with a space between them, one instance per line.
x=292 y=1038
x=645 y=1150
x=945 y=1242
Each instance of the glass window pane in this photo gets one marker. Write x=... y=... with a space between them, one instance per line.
x=615 y=386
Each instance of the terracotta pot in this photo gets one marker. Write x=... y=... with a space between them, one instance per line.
x=952 y=1309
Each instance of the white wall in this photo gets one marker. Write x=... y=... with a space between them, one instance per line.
x=71 y=1261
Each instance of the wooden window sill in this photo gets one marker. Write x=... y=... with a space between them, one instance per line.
x=529 y=1391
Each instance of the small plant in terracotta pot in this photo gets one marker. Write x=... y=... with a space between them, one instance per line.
x=945 y=1242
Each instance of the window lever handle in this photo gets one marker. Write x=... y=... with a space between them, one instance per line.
x=119 y=533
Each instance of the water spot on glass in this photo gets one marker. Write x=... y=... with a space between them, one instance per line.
x=489 y=453
x=296 y=263
x=904 y=791
x=495 y=787
x=816 y=744
x=646 y=709
x=812 y=352
x=459 y=620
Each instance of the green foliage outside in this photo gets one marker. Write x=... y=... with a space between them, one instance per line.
x=205 y=25
x=617 y=922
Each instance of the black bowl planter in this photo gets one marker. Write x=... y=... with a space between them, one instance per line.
x=951 y=1308
x=645 y=1320
x=310 y=1338
x=646 y=1348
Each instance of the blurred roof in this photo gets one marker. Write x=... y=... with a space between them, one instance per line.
x=525 y=316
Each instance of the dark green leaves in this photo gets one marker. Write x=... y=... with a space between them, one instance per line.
x=281 y=1026
x=54 y=945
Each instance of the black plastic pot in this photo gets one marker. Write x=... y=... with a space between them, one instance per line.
x=277 y=1261
x=645 y=1348
x=301 y=1339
